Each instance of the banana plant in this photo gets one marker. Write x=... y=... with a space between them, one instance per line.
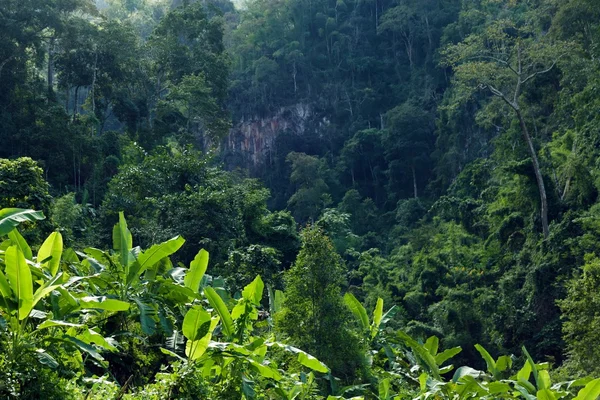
x=370 y=328
x=240 y=361
x=25 y=283
x=143 y=280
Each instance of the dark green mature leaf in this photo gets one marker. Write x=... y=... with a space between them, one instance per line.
x=148 y=315
x=46 y=359
x=11 y=217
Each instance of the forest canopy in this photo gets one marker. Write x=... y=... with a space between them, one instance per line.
x=291 y=199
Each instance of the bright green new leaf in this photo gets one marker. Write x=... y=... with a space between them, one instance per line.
x=46 y=289
x=503 y=363
x=21 y=243
x=219 y=305
x=384 y=389
x=5 y=290
x=253 y=292
x=103 y=303
x=545 y=394
x=432 y=344
x=447 y=354
x=19 y=278
x=193 y=323
x=11 y=217
x=50 y=252
x=194 y=349
x=591 y=391
x=358 y=310
x=197 y=270
x=123 y=241
x=311 y=362
x=53 y=323
x=377 y=316
x=153 y=255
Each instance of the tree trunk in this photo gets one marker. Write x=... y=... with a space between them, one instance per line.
x=538 y=174
x=414 y=176
x=51 y=67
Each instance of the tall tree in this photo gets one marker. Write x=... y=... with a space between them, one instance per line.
x=504 y=58
x=314 y=316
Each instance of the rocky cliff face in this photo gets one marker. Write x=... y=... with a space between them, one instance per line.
x=251 y=141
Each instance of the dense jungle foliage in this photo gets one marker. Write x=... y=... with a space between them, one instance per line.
x=427 y=228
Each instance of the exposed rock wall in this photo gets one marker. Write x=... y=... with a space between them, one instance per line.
x=252 y=140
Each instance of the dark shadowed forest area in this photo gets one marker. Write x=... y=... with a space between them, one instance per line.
x=300 y=199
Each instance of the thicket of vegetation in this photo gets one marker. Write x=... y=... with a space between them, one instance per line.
x=445 y=176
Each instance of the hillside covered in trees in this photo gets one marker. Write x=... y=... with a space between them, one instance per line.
x=299 y=199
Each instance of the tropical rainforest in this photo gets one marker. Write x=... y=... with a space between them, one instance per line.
x=300 y=199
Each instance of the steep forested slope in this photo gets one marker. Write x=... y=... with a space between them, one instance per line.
x=436 y=156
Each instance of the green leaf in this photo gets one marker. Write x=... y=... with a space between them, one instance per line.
x=545 y=394
x=447 y=354
x=489 y=360
x=194 y=349
x=591 y=391
x=377 y=316
x=498 y=387
x=503 y=363
x=465 y=371
x=545 y=381
x=148 y=316
x=384 y=389
x=171 y=353
x=85 y=347
x=123 y=241
x=432 y=345
x=358 y=310
x=153 y=255
x=103 y=303
x=5 y=290
x=534 y=369
x=253 y=292
x=311 y=362
x=197 y=270
x=50 y=252
x=21 y=243
x=524 y=372
x=56 y=323
x=219 y=305
x=46 y=289
x=11 y=217
x=265 y=371
x=193 y=323
x=46 y=359
x=278 y=301
x=19 y=278
x=422 y=353
x=92 y=337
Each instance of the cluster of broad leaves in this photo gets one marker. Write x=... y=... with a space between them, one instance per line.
x=54 y=303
